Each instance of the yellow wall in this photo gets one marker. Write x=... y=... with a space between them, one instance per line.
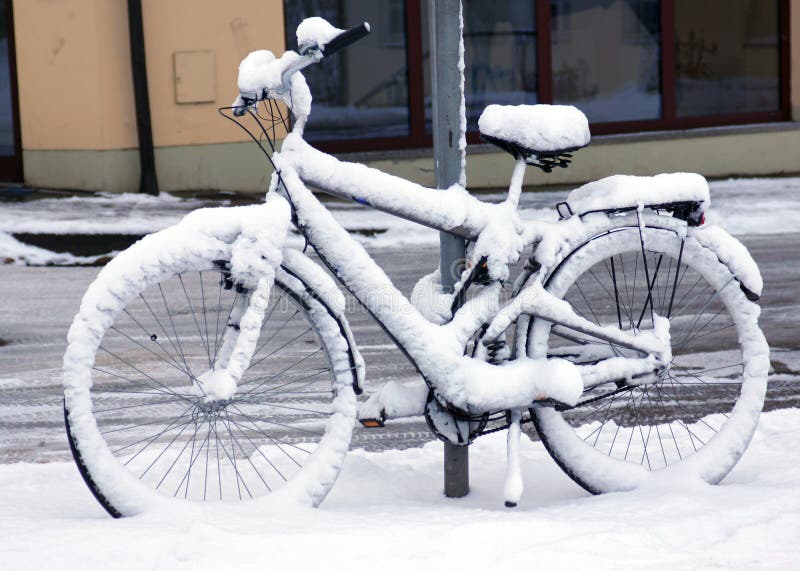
x=78 y=120
x=75 y=86
x=231 y=30
x=73 y=94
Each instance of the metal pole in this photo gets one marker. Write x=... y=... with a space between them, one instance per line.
x=148 y=183
x=445 y=35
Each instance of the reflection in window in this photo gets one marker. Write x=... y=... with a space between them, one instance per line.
x=361 y=92
x=730 y=64
x=606 y=57
x=500 y=56
x=6 y=112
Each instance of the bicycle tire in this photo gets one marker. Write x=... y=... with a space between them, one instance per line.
x=699 y=418
x=129 y=366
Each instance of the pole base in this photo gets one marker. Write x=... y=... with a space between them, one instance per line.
x=456 y=471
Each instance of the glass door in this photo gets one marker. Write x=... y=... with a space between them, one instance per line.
x=10 y=151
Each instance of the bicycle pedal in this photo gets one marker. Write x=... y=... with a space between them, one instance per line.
x=372 y=422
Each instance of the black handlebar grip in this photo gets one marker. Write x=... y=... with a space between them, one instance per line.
x=347 y=38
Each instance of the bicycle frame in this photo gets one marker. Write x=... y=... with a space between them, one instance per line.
x=498 y=237
x=437 y=351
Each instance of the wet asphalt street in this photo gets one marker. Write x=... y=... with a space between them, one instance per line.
x=38 y=304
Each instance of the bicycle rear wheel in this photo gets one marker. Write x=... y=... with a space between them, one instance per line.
x=699 y=417
x=140 y=426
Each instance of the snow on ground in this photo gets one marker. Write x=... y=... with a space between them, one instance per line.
x=741 y=206
x=101 y=213
x=387 y=512
x=13 y=249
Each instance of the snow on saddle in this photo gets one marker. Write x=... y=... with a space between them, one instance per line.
x=686 y=195
x=529 y=130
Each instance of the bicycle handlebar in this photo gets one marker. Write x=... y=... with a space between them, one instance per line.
x=302 y=60
x=347 y=38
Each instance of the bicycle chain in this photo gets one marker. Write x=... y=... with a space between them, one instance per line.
x=582 y=403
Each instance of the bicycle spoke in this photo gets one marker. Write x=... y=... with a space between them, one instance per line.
x=649 y=298
x=162 y=385
x=141 y=424
x=265 y=381
x=252 y=396
x=163 y=329
x=289 y=342
x=155 y=388
x=675 y=283
x=234 y=444
x=153 y=337
x=173 y=440
x=194 y=318
x=170 y=363
x=205 y=320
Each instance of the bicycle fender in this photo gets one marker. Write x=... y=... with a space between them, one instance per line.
x=320 y=286
x=733 y=254
x=256 y=251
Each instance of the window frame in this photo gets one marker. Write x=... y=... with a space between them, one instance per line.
x=11 y=166
x=418 y=138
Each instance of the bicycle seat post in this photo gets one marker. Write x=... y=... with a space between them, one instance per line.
x=515 y=186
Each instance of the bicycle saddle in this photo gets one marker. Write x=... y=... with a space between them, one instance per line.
x=528 y=131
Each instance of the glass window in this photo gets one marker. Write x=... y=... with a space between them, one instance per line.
x=6 y=109
x=499 y=52
x=361 y=92
x=606 y=58
x=726 y=64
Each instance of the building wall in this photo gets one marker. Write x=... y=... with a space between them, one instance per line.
x=752 y=150
x=78 y=120
x=230 y=30
x=73 y=92
x=794 y=59
x=77 y=111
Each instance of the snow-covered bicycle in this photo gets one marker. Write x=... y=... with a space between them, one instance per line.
x=213 y=360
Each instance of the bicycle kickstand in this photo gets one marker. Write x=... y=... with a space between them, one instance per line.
x=513 y=488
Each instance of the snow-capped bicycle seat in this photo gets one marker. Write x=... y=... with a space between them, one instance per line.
x=534 y=131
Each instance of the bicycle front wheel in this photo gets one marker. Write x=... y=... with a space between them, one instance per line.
x=142 y=431
x=699 y=417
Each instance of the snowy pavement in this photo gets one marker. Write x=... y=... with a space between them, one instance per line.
x=41 y=302
x=387 y=512
x=741 y=206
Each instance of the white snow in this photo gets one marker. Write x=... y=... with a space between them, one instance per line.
x=396 y=400
x=316 y=31
x=732 y=253
x=741 y=206
x=257 y=71
x=430 y=300
x=388 y=511
x=14 y=251
x=102 y=213
x=260 y=72
x=626 y=191
x=462 y=108
x=437 y=351
x=536 y=127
